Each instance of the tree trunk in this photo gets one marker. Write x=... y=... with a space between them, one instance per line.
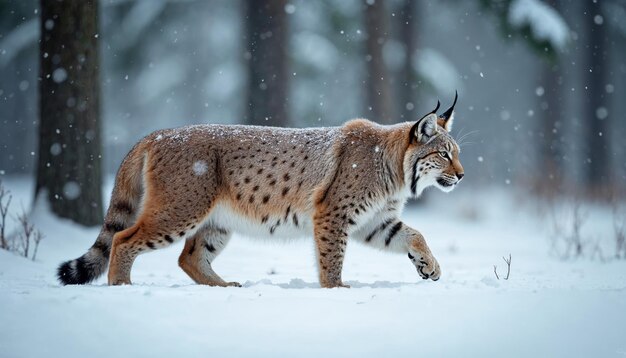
x=268 y=83
x=69 y=161
x=550 y=150
x=595 y=113
x=408 y=87
x=378 y=87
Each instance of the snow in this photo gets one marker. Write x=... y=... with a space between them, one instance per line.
x=224 y=81
x=598 y=19
x=437 y=71
x=545 y=22
x=18 y=39
x=539 y=91
x=71 y=190
x=55 y=149
x=548 y=307
x=140 y=16
x=59 y=75
x=314 y=51
x=394 y=54
x=602 y=113
x=154 y=82
x=290 y=8
x=200 y=167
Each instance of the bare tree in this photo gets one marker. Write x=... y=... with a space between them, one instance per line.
x=550 y=150
x=69 y=160
x=568 y=240
x=595 y=113
x=4 y=210
x=268 y=84
x=408 y=88
x=379 y=96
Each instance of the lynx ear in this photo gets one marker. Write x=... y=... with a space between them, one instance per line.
x=425 y=128
x=447 y=118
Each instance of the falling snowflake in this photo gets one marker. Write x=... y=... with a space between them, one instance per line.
x=200 y=167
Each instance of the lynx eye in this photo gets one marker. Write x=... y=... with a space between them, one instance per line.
x=444 y=155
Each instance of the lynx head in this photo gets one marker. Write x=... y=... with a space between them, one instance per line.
x=432 y=157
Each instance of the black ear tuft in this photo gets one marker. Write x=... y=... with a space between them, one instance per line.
x=448 y=115
x=437 y=107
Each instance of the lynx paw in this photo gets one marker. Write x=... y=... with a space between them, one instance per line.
x=119 y=282
x=334 y=285
x=426 y=265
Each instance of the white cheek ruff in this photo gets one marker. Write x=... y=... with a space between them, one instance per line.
x=446 y=189
x=421 y=181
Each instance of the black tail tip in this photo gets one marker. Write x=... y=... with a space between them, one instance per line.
x=73 y=272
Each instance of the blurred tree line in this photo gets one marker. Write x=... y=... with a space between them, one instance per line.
x=298 y=58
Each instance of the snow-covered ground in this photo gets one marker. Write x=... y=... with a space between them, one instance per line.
x=548 y=307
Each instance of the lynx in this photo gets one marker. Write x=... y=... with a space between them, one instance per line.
x=201 y=183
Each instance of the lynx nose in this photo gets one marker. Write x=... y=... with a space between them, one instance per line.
x=460 y=175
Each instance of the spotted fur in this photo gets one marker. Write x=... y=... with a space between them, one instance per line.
x=199 y=184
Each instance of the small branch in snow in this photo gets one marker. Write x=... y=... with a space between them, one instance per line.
x=508 y=266
x=37 y=237
x=27 y=234
x=568 y=240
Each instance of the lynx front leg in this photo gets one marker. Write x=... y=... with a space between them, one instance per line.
x=331 y=250
x=419 y=253
x=199 y=252
x=330 y=241
x=393 y=235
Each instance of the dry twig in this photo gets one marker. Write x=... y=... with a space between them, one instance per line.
x=568 y=241
x=508 y=266
x=37 y=237
x=26 y=231
x=21 y=242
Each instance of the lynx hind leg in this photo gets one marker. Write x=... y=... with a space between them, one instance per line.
x=200 y=251
x=157 y=227
x=176 y=204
